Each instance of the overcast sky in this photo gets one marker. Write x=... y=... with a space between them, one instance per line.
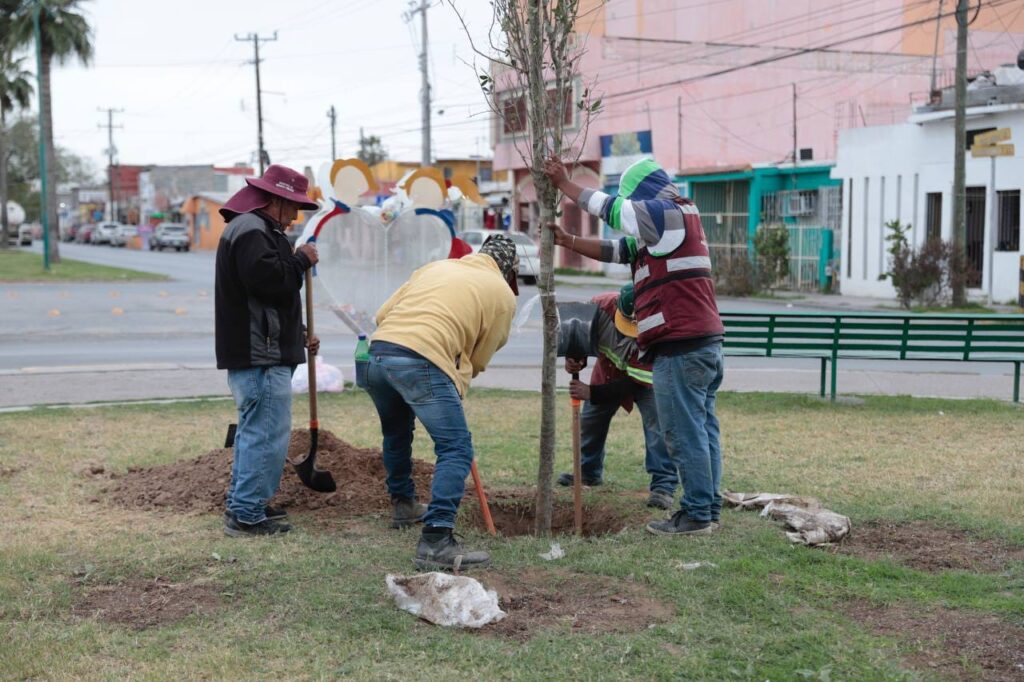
x=188 y=88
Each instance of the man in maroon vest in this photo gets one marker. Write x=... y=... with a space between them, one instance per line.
x=619 y=379
x=677 y=319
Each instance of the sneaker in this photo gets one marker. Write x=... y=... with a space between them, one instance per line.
x=679 y=524
x=566 y=480
x=660 y=500
x=439 y=550
x=273 y=513
x=237 y=529
x=406 y=512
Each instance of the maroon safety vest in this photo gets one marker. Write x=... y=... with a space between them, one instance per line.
x=675 y=293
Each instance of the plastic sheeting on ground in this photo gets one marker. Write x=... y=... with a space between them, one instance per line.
x=808 y=522
x=443 y=599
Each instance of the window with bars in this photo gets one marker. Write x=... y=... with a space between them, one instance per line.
x=933 y=215
x=515 y=115
x=1008 y=202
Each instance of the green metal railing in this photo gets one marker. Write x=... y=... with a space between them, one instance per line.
x=878 y=336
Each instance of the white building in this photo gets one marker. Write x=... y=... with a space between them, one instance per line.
x=905 y=172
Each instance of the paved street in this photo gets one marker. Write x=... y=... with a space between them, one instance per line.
x=86 y=342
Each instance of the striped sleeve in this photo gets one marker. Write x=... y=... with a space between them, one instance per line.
x=644 y=220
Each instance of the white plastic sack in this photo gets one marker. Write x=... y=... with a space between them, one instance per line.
x=329 y=378
x=443 y=599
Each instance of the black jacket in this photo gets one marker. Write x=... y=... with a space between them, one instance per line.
x=258 y=306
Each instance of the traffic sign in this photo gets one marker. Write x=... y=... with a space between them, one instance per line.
x=984 y=151
x=992 y=137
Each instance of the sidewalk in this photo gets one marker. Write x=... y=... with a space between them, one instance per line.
x=80 y=385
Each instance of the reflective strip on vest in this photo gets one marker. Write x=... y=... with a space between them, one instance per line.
x=689 y=263
x=649 y=323
x=641 y=274
x=611 y=355
x=641 y=375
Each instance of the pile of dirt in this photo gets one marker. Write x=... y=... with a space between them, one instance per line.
x=950 y=643
x=537 y=599
x=926 y=547
x=199 y=484
x=141 y=604
x=515 y=514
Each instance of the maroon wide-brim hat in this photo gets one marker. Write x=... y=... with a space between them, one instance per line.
x=278 y=181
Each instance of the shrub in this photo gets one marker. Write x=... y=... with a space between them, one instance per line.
x=771 y=244
x=735 y=276
x=923 y=276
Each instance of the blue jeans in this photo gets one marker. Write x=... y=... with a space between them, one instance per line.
x=685 y=387
x=263 y=396
x=594 y=423
x=404 y=389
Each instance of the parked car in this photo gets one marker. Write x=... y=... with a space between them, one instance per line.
x=84 y=233
x=123 y=234
x=169 y=236
x=103 y=233
x=529 y=254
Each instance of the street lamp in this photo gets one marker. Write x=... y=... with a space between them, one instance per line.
x=44 y=219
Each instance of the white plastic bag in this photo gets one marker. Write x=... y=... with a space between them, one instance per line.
x=443 y=599
x=329 y=379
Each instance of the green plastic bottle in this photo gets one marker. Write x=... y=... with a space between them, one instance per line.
x=362 y=349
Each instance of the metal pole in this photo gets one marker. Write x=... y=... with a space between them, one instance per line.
x=794 y=129
x=426 y=86
x=333 y=116
x=959 y=158
x=43 y=217
x=993 y=231
x=679 y=132
x=935 y=53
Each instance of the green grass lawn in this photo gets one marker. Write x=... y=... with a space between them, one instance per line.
x=22 y=266
x=313 y=605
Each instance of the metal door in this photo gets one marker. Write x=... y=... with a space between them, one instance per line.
x=975 y=235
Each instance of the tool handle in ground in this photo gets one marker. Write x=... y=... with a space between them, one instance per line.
x=310 y=358
x=577 y=467
x=485 y=508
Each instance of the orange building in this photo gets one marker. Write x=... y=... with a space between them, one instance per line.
x=206 y=225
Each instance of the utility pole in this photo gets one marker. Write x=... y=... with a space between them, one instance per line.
x=111 y=151
x=794 y=128
x=935 y=52
x=255 y=39
x=959 y=158
x=679 y=132
x=333 y=116
x=425 y=91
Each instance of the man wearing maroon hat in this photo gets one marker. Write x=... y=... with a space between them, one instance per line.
x=260 y=338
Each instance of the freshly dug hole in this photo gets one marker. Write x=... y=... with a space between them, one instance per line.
x=515 y=516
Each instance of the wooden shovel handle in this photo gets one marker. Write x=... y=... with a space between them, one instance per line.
x=310 y=357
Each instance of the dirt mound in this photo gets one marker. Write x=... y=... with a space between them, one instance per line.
x=960 y=645
x=514 y=515
x=539 y=599
x=199 y=484
x=925 y=547
x=141 y=604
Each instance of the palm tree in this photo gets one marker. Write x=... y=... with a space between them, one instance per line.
x=15 y=92
x=65 y=35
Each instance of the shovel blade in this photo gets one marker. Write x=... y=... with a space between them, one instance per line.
x=319 y=480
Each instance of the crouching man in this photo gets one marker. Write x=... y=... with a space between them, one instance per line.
x=438 y=331
x=619 y=379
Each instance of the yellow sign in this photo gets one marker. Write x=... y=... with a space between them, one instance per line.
x=985 y=151
x=992 y=137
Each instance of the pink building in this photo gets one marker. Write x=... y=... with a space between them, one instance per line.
x=654 y=63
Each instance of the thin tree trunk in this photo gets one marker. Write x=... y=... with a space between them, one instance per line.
x=52 y=216
x=3 y=181
x=545 y=200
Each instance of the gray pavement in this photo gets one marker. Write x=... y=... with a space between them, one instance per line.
x=77 y=343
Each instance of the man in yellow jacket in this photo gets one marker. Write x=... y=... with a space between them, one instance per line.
x=436 y=333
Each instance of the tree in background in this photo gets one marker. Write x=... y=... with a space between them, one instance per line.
x=371 y=151
x=15 y=93
x=771 y=244
x=64 y=35
x=529 y=77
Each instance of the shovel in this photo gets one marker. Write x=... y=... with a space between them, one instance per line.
x=319 y=480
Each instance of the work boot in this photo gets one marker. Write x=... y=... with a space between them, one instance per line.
x=680 y=524
x=566 y=480
x=406 y=512
x=438 y=550
x=237 y=529
x=659 y=499
x=272 y=513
